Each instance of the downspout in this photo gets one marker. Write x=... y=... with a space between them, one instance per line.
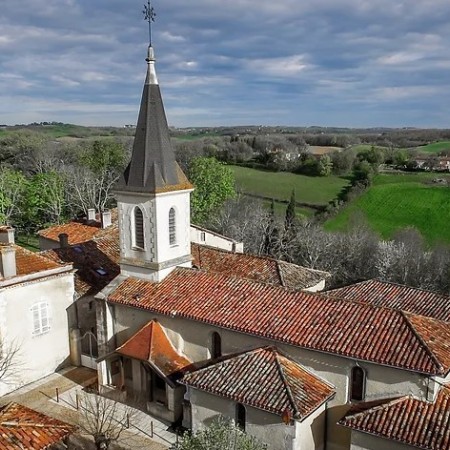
x=325 y=441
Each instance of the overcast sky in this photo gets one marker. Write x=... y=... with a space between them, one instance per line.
x=228 y=62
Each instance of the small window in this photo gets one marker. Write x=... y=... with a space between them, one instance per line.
x=172 y=227
x=203 y=236
x=138 y=228
x=240 y=416
x=128 y=369
x=41 y=318
x=216 y=345
x=358 y=384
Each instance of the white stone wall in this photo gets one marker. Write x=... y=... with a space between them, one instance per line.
x=39 y=355
x=266 y=427
x=203 y=236
x=310 y=434
x=155 y=209
x=364 y=441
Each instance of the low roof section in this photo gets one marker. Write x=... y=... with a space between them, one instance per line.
x=396 y=296
x=256 y=268
x=152 y=346
x=23 y=428
x=407 y=420
x=265 y=379
x=299 y=318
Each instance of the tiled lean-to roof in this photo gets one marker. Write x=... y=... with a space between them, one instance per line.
x=257 y=268
x=397 y=296
x=22 y=428
x=151 y=344
x=28 y=263
x=264 y=379
x=407 y=420
x=77 y=232
x=300 y=318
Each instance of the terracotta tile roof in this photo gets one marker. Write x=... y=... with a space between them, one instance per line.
x=28 y=262
x=407 y=420
x=95 y=263
x=21 y=428
x=397 y=296
x=151 y=344
x=311 y=321
x=264 y=379
x=78 y=231
x=262 y=269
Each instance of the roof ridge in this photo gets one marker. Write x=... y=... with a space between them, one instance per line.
x=280 y=273
x=286 y=384
x=421 y=340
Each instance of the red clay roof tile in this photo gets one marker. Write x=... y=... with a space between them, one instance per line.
x=396 y=296
x=151 y=344
x=21 y=427
x=311 y=321
x=257 y=268
x=407 y=420
x=265 y=379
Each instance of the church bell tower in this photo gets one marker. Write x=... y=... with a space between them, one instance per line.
x=153 y=193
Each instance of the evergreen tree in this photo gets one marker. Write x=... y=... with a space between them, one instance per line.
x=289 y=220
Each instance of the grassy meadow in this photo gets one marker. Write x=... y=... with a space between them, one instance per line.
x=397 y=201
x=435 y=147
x=279 y=185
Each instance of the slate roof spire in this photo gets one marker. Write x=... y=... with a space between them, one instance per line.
x=153 y=167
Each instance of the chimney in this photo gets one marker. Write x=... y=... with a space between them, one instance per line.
x=63 y=240
x=106 y=218
x=6 y=235
x=91 y=214
x=8 y=261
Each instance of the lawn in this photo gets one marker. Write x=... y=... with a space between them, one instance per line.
x=279 y=185
x=435 y=147
x=399 y=201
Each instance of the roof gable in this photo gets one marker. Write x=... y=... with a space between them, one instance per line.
x=307 y=320
x=264 y=379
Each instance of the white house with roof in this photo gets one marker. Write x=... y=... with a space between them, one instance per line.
x=34 y=296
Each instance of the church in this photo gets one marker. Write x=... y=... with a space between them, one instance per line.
x=194 y=332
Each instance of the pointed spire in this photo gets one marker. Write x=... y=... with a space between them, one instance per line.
x=153 y=167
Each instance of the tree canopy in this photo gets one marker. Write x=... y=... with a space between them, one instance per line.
x=221 y=434
x=214 y=184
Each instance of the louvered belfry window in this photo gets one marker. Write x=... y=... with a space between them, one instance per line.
x=138 y=228
x=172 y=227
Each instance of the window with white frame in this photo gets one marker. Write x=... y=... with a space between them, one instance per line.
x=41 y=318
x=172 y=227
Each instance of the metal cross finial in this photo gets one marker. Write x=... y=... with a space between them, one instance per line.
x=149 y=16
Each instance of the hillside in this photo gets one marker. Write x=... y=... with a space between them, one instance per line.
x=402 y=200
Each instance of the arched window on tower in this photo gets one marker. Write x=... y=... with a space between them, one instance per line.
x=138 y=237
x=357 y=384
x=240 y=416
x=216 y=345
x=172 y=227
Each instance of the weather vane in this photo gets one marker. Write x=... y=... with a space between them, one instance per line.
x=149 y=16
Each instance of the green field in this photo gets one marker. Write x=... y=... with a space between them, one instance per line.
x=435 y=147
x=399 y=201
x=279 y=185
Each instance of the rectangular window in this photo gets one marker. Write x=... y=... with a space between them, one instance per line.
x=41 y=318
x=203 y=236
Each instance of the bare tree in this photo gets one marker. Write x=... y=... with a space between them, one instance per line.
x=10 y=363
x=102 y=418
